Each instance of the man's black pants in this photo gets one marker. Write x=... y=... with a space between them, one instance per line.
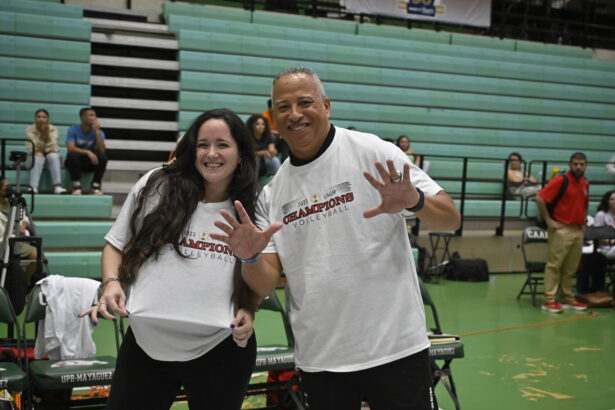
x=77 y=163
x=405 y=384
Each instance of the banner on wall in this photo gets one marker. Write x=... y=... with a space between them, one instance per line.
x=469 y=12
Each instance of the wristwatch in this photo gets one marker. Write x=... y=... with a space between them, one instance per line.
x=420 y=204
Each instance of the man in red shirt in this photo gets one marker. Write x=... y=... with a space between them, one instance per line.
x=565 y=224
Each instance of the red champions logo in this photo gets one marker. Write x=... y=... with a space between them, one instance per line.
x=333 y=201
x=206 y=246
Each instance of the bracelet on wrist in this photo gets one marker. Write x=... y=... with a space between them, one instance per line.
x=252 y=259
x=419 y=204
x=107 y=281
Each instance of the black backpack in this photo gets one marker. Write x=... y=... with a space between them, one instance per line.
x=467 y=270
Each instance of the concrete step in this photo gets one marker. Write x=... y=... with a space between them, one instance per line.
x=134 y=103
x=134 y=40
x=109 y=81
x=110 y=26
x=134 y=62
x=166 y=146
x=130 y=124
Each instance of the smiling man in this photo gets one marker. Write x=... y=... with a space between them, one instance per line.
x=338 y=234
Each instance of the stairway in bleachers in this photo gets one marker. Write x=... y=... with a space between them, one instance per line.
x=134 y=80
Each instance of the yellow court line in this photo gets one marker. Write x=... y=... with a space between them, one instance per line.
x=529 y=325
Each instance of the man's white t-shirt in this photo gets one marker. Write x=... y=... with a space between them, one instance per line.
x=354 y=293
x=180 y=308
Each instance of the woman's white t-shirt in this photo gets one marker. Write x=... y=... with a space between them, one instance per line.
x=180 y=308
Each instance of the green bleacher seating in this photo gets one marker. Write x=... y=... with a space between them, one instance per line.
x=75 y=264
x=35 y=7
x=289 y=20
x=230 y=83
x=478 y=136
x=417 y=115
x=483 y=42
x=262 y=66
x=453 y=94
x=306 y=51
x=403 y=33
x=473 y=188
x=43 y=26
x=42 y=91
x=43 y=48
x=71 y=206
x=22 y=112
x=196 y=10
x=452 y=168
x=529 y=154
x=473 y=41
x=490 y=208
x=553 y=49
x=15 y=130
x=45 y=70
x=72 y=234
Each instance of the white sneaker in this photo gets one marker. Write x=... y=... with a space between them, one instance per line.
x=59 y=190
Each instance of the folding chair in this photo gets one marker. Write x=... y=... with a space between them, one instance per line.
x=277 y=358
x=56 y=377
x=443 y=352
x=534 y=249
x=12 y=378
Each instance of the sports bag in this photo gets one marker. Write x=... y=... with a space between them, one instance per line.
x=468 y=270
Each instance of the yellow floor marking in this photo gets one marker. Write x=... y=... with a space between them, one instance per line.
x=487 y=373
x=529 y=325
x=534 y=392
x=587 y=349
x=535 y=373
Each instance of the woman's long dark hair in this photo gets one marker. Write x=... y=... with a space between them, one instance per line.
x=250 y=124
x=180 y=187
x=604 y=202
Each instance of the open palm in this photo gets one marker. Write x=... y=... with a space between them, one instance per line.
x=397 y=192
x=245 y=239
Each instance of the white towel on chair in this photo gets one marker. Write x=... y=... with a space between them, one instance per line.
x=63 y=334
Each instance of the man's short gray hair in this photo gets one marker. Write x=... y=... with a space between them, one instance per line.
x=301 y=70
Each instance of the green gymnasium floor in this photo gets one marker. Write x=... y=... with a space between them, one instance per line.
x=516 y=356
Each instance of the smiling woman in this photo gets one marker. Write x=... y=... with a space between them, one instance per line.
x=190 y=311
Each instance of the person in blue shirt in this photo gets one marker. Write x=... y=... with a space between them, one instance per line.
x=86 y=151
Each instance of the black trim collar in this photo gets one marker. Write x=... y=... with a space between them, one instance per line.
x=328 y=140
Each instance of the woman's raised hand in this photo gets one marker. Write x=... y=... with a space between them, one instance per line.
x=244 y=238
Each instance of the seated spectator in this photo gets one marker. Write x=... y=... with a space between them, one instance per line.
x=520 y=183
x=269 y=118
x=591 y=276
x=86 y=151
x=606 y=217
x=44 y=136
x=26 y=251
x=403 y=142
x=264 y=146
